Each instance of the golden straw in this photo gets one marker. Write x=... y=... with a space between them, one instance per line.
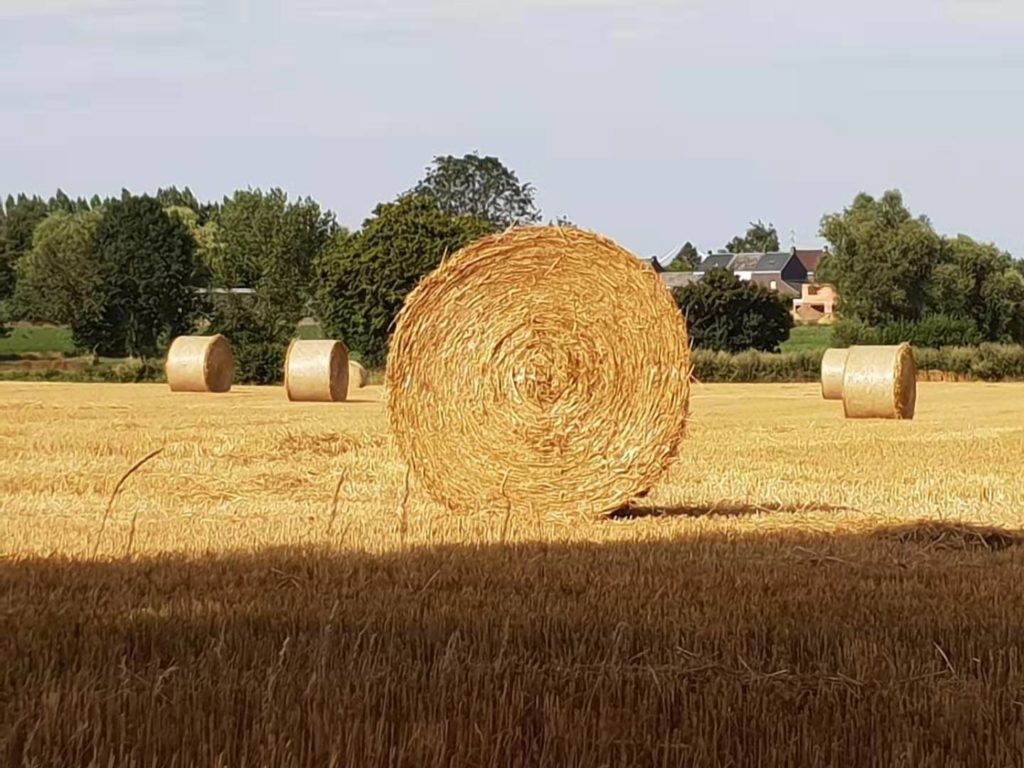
x=880 y=383
x=200 y=364
x=541 y=368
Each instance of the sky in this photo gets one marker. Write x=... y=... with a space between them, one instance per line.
x=651 y=121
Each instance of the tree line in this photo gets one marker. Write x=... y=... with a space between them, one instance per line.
x=897 y=278
x=128 y=273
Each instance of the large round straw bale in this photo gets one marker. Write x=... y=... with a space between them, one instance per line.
x=358 y=376
x=541 y=368
x=833 y=366
x=200 y=364
x=316 y=370
x=880 y=383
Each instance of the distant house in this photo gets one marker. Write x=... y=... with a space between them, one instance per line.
x=780 y=271
x=810 y=258
x=816 y=304
x=714 y=261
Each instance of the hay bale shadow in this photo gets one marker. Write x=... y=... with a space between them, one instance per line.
x=726 y=509
x=952 y=536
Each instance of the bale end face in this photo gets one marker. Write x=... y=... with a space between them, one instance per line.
x=200 y=364
x=833 y=367
x=880 y=383
x=316 y=371
x=540 y=368
x=358 y=376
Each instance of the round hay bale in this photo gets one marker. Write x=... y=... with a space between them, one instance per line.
x=880 y=383
x=358 y=376
x=833 y=366
x=316 y=371
x=541 y=368
x=200 y=364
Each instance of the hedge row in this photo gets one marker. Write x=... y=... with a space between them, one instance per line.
x=988 y=362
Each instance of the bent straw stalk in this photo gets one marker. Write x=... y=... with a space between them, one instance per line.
x=540 y=368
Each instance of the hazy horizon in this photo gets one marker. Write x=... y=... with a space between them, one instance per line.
x=654 y=124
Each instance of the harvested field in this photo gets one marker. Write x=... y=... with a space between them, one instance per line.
x=266 y=590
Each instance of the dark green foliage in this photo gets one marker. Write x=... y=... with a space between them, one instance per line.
x=481 y=187
x=881 y=258
x=932 y=331
x=58 y=280
x=172 y=197
x=990 y=362
x=895 y=273
x=20 y=217
x=363 y=279
x=725 y=313
x=262 y=241
x=978 y=282
x=148 y=276
x=259 y=352
x=686 y=260
x=759 y=238
x=61 y=203
x=751 y=366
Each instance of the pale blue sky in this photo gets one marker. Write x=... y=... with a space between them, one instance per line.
x=650 y=121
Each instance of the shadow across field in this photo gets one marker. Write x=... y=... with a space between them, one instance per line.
x=726 y=509
x=788 y=648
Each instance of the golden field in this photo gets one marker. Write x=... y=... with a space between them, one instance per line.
x=266 y=590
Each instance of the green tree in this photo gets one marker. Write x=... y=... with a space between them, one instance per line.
x=979 y=282
x=880 y=258
x=365 y=278
x=148 y=281
x=759 y=238
x=479 y=186
x=686 y=259
x=726 y=313
x=59 y=279
x=21 y=216
x=263 y=242
x=209 y=247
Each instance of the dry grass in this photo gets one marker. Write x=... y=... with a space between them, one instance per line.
x=803 y=590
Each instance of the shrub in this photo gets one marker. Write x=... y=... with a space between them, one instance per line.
x=726 y=313
x=751 y=366
x=932 y=332
x=259 y=362
x=364 y=279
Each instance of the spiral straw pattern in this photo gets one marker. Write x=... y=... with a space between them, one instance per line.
x=542 y=368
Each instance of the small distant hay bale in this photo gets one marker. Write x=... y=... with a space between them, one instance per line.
x=833 y=366
x=200 y=364
x=540 y=369
x=316 y=371
x=880 y=383
x=358 y=376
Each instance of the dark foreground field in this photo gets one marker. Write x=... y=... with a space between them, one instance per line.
x=800 y=591
x=900 y=648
